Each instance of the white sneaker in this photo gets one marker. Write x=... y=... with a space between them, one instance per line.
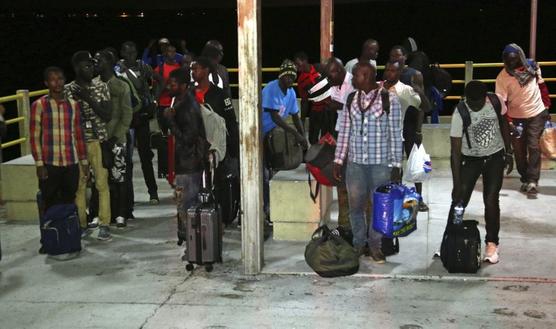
x=491 y=253
x=120 y=221
x=94 y=223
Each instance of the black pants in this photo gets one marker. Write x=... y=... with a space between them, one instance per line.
x=60 y=186
x=492 y=170
x=526 y=148
x=146 y=155
x=162 y=146
x=320 y=123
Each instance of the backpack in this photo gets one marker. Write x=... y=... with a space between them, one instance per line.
x=215 y=129
x=460 y=251
x=441 y=79
x=466 y=116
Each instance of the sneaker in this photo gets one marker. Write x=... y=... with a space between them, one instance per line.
x=104 y=233
x=120 y=222
x=491 y=253
x=42 y=251
x=423 y=207
x=85 y=232
x=523 y=188
x=377 y=256
x=154 y=201
x=94 y=223
x=532 y=189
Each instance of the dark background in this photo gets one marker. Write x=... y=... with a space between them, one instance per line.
x=35 y=36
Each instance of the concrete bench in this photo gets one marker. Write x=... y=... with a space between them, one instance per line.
x=19 y=189
x=292 y=210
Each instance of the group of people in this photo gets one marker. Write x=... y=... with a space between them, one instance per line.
x=376 y=121
x=85 y=131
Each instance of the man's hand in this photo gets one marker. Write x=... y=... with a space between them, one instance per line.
x=42 y=173
x=85 y=170
x=83 y=93
x=509 y=163
x=418 y=138
x=301 y=140
x=337 y=172
x=395 y=175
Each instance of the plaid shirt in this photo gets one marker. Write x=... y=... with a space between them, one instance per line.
x=56 y=135
x=372 y=137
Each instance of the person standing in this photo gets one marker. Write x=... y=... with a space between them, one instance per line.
x=57 y=142
x=116 y=130
x=372 y=133
x=94 y=100
x=518 y=87
x=369 y=54
x=482 y=148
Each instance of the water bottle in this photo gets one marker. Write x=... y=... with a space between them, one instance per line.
x=519 y=130
x=458 y=213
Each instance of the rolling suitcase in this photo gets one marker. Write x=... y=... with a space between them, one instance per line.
x=203 y=230
x=60 y=231
x=460 y=250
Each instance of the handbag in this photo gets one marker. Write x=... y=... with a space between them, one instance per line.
x=395 y=208
x=329 y=255
x=419 y=166
x=284 y=151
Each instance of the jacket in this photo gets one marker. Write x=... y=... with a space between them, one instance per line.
x=222 y=105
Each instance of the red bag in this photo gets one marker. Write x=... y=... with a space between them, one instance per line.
x=319 y=161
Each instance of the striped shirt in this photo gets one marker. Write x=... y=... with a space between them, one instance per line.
x=56 y=135
x=372 y=137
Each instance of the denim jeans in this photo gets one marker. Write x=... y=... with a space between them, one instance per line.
x=361 y=181
x=187 y=190
x=492 y=170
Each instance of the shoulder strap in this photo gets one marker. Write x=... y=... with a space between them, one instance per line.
x=349 y=100
x=466 y=119
x=495 y=101
x=385 y=96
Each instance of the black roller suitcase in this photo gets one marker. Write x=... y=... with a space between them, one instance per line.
x=203 y=231
x=460 y=251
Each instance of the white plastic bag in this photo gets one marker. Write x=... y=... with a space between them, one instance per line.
x=418 y=168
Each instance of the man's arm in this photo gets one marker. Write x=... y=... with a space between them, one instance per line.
x=299 y=126
x=455 y=164
x=395 y=132
x=35 y=132
x=127 y=112
x=419 y=87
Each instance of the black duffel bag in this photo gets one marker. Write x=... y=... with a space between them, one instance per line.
x=283 y=150
x=329 y=255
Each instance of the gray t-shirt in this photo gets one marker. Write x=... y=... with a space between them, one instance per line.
x=484 y=132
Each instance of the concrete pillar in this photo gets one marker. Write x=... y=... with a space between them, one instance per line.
x=24 y=110
x=250 y=77
x=533 y=31
x=326 y=29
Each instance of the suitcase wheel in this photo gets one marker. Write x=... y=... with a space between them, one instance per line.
x=209 y=268
x=189 y=267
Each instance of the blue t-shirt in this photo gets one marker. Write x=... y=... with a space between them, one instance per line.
x=274 y=99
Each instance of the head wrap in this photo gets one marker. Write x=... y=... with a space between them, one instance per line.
x=288 y=68
x=522 y=76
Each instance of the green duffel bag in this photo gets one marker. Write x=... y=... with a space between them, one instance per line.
x=329 y=255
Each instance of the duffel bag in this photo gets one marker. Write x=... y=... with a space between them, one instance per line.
x=329 y=255
x=284 y=151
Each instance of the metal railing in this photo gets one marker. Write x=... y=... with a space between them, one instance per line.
x=23 y=97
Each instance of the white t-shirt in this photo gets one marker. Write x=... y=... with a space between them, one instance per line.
x=349 y=65
x=341 y=93
x=523 y=102
x=484 y=131
x=408 y=97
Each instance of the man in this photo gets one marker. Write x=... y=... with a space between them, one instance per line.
x=117 y=129
x=374 y=140
x=517 y=85
x=369 y=54
x=191 y=147
x=485 y=150
x=220 y=77
x=227 y=173
x=140 y=75
x=320 y=121
x=341 y=87
x=414 y=104
x=279 y=102
x=409 y=75
x=153 y=59
x=94 y=100
x=57 y=142
x=162 y=73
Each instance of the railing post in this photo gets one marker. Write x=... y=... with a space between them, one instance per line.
x=468 y=71
x=24 y=110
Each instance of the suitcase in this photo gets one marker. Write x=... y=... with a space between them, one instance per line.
x=60 y=231
x=460 y=250
x=203 y=231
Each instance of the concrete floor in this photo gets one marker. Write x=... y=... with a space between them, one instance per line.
x=138 y=280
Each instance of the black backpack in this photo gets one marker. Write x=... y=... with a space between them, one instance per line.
x=466 y=117
x=460 y=250
x=383 y=95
